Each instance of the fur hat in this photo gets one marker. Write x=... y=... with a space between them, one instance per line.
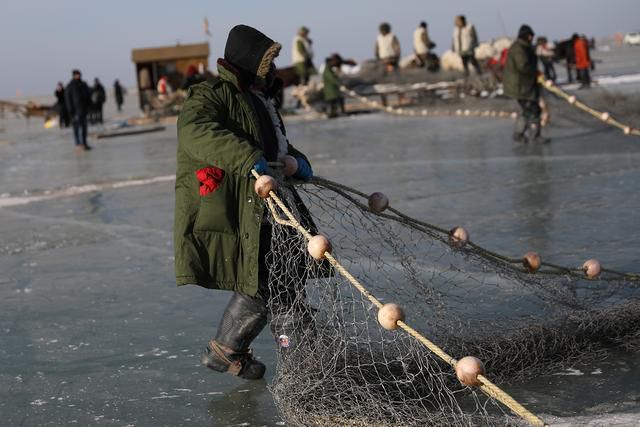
x=250 y=51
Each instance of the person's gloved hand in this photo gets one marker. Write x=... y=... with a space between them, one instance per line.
x=304 y=171
x=260 y=166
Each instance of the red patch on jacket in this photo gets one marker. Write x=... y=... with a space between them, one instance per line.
x=210 y=179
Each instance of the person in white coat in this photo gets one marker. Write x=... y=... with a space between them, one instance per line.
x=302 y=55
x=387 y=48
x=546 y=53
x=422 y=44
x=465 y=41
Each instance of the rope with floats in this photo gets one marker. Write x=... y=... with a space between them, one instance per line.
x=529 y=263
x=603 y=116
x=425 y=112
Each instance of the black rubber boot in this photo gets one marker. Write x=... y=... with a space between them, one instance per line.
x=538 y=138
x=519 y=133
x=242 y=321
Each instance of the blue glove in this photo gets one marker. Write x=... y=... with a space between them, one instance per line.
x=304 y=171
x=260 y=166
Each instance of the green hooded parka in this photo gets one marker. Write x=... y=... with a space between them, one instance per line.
x=218 y=215
x=521 y=71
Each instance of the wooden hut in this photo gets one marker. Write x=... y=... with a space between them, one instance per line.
x=171 y=61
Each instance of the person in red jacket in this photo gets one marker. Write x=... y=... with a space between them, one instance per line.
x=583 y=60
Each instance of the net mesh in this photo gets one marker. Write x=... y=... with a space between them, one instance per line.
x=338 y=366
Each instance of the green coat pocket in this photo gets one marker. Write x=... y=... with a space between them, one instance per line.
x=217 y=212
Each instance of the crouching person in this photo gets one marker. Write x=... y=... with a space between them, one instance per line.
x=227 y=128
x=520 y=82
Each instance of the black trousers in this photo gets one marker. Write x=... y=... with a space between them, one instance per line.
x=549 y=69
x=80 y=129
x=466 y=59
x=263 y=270
x=570 y=68
x=531 y=113
x=584 y=76
x=336 y=107
x=96 y=114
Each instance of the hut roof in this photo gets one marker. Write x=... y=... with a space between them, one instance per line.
x=167 y=53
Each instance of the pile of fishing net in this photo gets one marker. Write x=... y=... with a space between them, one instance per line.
x=338 y=366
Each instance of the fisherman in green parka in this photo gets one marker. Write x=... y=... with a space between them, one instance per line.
x=520 y=82
x=228 y=127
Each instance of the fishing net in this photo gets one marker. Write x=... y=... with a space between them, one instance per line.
x=338 y=366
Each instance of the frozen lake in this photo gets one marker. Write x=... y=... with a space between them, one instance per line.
x=94 y=331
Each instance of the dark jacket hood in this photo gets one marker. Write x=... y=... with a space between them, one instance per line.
x=525 y=32
x=250 y=51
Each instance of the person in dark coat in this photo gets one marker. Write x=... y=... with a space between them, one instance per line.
x=98 y=98
x=118 y=93
x=520 y=82
x=78 y=103
x=226 y=129
x=570 y=58
x=61 y=106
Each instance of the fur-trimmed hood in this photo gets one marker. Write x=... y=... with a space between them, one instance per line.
x=250 y=51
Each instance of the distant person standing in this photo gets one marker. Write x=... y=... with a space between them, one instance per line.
x=422 y=44
x=387 y=48
x=569 y=55
x=98 y=98
x=146 y=88
x=61 y=106
x=118 y=93
x=302 y=55
x=583 y=60
x=520 y=82
x=164 y=88
x=545 y=51
x=78 y=102
x=331 y=86
x=465 y=41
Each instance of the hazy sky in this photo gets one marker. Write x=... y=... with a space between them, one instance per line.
x=41 y=41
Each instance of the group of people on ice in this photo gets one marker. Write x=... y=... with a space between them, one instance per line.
x=96 y=100
x=576 y=52
x=387 y=51
x=79 y=105
x=464 y=45
x=464 y=42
